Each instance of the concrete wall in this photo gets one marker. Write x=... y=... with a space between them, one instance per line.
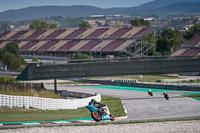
x=45 y=103
x=114 y=67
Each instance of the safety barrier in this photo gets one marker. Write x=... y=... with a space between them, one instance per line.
x=175 y=86
x=45 y=103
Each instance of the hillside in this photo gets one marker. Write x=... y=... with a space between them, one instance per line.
x=184 y=8
x=157 y=7
x=48 y=11
x=163 y=3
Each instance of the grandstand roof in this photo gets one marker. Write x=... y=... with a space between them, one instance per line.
x=72 y=40
x=190 y=48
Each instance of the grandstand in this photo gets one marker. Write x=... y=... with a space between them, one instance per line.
x=99 y=41
x=190 y=48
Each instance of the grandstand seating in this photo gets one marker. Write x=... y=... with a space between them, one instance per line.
x=46 y=46
x=108 y=33
x=22 y=43
x=17 y=35
x=9 y=35
x=90 y=45
x=86 y=33
x=100 y=46
x=45 y=34
x=75 y=33
x=26 y=34
x=191 y=52
x=28 y=45
x=97 y=33
x=57 y=45
x=194 y=40
x=65 y=33
x=113 y=45
x=37 y=45
x=68 y=45
x=131 y=32
x=124 y=45
x=78 y=45
x=4 y=34
x=55 y=34
x=72 y=40
x=3 y=44
x=119 y=32
x=36 y=34
x=179 y=52
x=142 y=32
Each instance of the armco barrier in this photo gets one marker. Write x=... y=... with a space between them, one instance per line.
x=45 y=103
x=145 y=85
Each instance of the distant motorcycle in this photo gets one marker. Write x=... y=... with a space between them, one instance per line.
x=166 y=95
x=100 y=111
x=150 y=92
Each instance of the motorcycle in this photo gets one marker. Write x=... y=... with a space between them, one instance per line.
x=166 y=95
x=100 y=112
x=150 y=92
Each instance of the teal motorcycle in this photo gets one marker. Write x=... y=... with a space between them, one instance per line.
x=99 y=112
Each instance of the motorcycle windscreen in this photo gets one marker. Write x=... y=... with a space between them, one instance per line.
x=92 y=108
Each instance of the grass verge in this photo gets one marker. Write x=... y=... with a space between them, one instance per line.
x=71 y=82
x=22 y=115
x=30 y=92
x=195 y=96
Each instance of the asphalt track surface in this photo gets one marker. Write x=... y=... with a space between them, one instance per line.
x=141 y=106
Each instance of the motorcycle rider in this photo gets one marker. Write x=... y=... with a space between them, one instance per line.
x=96 y=104
x=150 y=92
x=165 y=95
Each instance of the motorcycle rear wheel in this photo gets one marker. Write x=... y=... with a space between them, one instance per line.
x=96 y=116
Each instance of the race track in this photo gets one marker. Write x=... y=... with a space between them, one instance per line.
x=141 y=106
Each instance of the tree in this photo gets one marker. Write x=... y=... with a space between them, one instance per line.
x=40 y=25
x=12 y=48
x=140 y=22
x=53 y=26
x=34 y=59
x=85 y=25
x=34 y=25
x=168 y=41
x=10 y=57
x=192 y=31
x=80 y=56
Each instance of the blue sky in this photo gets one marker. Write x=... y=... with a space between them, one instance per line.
x=16 y=4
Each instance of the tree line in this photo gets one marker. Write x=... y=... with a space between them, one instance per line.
x=9 y=55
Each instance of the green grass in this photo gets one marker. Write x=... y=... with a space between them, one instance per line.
x=71 y=82
x=192 y=81
x=195 y=96
x=30 y=92
x=22 y=115
x=146 y=78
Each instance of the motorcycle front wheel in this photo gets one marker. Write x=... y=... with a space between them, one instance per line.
x=96 y=116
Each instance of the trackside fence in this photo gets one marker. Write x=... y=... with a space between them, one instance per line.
x=45 y=103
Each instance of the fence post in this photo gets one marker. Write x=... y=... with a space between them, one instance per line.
x=55 y=86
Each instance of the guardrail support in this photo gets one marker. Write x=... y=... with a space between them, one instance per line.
x=55 y=86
